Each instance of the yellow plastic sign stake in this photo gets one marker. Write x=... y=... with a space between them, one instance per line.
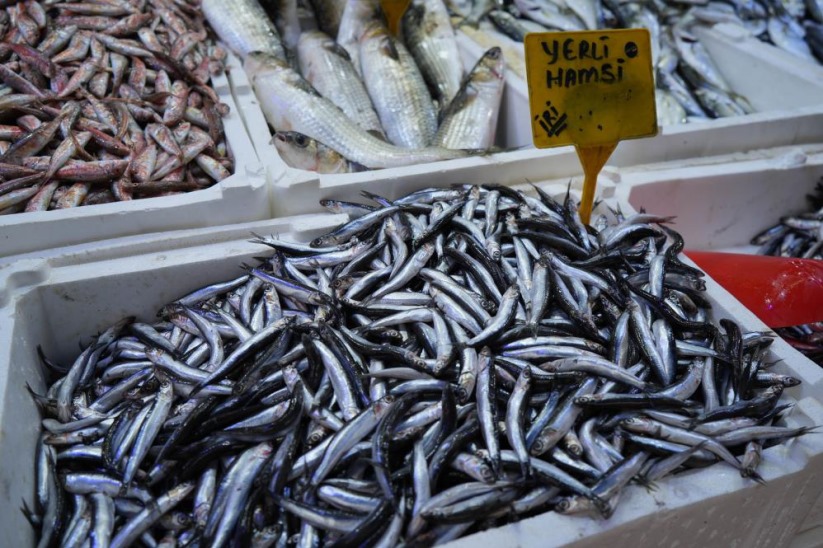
x=394 y=10
x=590 y=89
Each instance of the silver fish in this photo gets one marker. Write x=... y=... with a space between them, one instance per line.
x=291 y=104
x=244 y=26
x=357 y=14
x=470 y=120
x=278 y=404
x=396 y=88
x=431 y=40
x=303 y=152
x=328 y=68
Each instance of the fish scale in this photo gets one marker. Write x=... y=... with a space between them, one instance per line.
x=327 y=67
x=430 y=38
x=397 y=89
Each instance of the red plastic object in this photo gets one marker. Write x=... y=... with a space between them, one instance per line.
x=781 y=291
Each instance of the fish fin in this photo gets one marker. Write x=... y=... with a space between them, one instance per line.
x=357 y=168
x=389 y=48
x=337 y=49
x=376 y=133
x=304 y=85
x=479 y=151
x=753 y=475
x=259 y=239
x=48 y=363
x=385 y=202
x=602 y=506
x=31 y=516
x=650 y=486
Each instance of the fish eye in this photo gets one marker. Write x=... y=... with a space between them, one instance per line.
x=301 y=140
x=494 y=53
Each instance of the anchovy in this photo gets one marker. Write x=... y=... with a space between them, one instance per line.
x=403 y=377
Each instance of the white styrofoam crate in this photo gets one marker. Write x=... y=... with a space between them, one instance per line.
x=720 y=207
x=241 y=197
x=786 y=92
x=66 y=296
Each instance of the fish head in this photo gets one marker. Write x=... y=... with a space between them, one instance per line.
x=313 y=37
x=491 y=67
x=572 y=505
x=376 y=36
x=296 y=149
x=640 y=425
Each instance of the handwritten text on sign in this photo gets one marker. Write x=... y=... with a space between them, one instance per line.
x=590 y=88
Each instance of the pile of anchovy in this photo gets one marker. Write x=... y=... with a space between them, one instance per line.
x=799 y=236
x=107 y=101
x=442 y=363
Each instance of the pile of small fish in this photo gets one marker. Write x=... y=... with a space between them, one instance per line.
x=107 y=101
x=442 y=363
x=350 y=96
x=799 y=236
x=689 y=85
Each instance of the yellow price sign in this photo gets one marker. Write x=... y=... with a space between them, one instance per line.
x=394 y=10
x=590 y=89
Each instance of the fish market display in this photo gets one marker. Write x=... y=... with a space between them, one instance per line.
x=440 y=364
x=359 y=92
x=689 y=85
x=799 y=236
x=107 y=101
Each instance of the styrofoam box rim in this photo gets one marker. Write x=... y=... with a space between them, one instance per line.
x=697 y=495
x=757 y=161
x=240 y=197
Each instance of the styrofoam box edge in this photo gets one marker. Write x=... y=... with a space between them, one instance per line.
x=70 y=295
x=241 y=197
x=762 y=71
